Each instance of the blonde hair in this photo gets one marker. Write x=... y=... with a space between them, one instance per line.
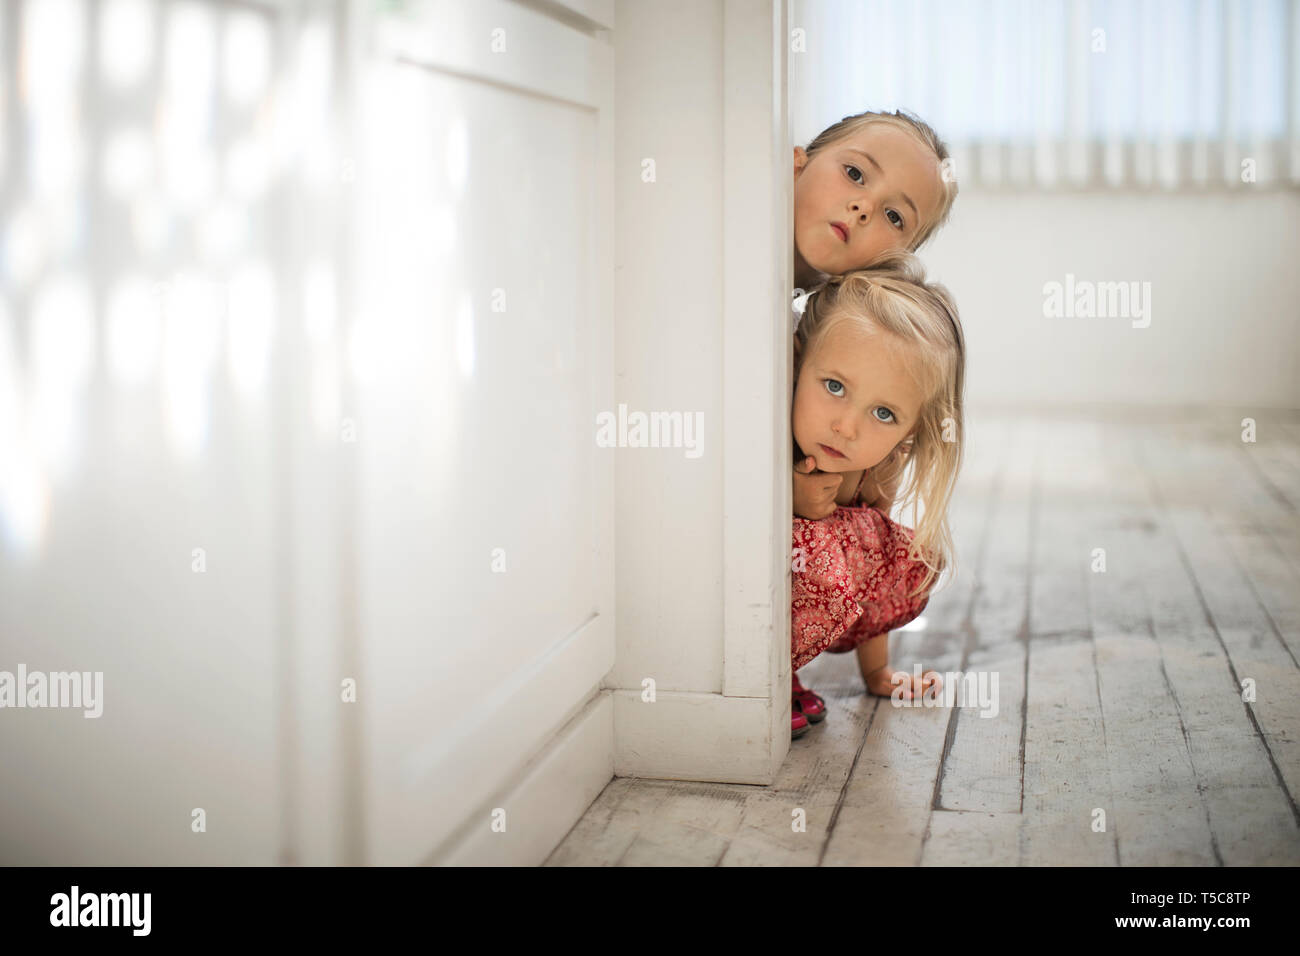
x=892 y=295
x=915 y=127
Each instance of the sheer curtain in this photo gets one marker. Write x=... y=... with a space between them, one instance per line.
x=1067 y=93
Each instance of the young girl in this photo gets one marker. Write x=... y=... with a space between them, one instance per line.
x=879 y=372
x=868 y=184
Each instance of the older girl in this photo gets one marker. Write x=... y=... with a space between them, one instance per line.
x=879 y=371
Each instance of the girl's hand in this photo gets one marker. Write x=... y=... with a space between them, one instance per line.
x=814 y=494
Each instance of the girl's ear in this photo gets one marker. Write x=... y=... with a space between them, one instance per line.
x=800 y=160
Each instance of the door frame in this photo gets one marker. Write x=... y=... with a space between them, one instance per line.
x=747 y=719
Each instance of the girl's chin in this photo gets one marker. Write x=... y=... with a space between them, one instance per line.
x=819 y=262
x=821 y=266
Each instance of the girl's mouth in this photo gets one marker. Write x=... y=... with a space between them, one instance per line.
x=841 y=230
x=832 y=452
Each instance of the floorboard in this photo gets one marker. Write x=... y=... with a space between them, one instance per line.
x=1135 y=586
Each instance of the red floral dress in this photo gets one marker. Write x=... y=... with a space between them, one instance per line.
x=851 y=581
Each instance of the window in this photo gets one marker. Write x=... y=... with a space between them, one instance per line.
x=1068 y=93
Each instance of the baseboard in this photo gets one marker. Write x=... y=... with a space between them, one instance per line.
x=707 y=737
x=553 y=792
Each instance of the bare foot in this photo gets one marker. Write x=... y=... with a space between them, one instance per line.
x=881 y=682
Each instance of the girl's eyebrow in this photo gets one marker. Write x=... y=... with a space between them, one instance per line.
x=871 y=159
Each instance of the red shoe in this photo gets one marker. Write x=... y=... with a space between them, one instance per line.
x=803 y=701
x=798 y=724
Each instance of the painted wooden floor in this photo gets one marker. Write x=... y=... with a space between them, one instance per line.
x=1119 y=691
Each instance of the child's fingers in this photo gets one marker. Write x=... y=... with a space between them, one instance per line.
x=805 y=467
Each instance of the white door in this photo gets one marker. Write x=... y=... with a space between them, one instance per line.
x=480 y=352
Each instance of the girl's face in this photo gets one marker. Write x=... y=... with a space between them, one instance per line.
x=854 y=397
x=861 y=196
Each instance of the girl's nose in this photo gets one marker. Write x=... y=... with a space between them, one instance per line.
x=861 y=210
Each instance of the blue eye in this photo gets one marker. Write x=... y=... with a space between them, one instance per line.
x=832 y=384
x=855 y=174
x=882 y=408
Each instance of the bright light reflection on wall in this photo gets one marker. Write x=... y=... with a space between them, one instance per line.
x=62 y=350
x=188 y=84
x=361 y=353
x=191 y=174
x=128 y=163
x=189 y=354
x=58 y=153
x=125 y=42
x=190 y=64
x=305 y=123
x=465 y=336
x=246 y=56
x=162 y=161
x=442 y=229
x=26 y=244
x=151 y=223
x=248 y=169
x=325 y=385
x=318 y=304
x=24 y=499
x=457 y=155
x=4 y=98
x=54 y=41
x=134 y=328
x=320 y=315
x=251 y=316
x=9 y=372
x=221 y=231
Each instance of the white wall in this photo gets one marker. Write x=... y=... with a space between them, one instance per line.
x=1225 y=297
x=668 y=340
x=702 y=275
